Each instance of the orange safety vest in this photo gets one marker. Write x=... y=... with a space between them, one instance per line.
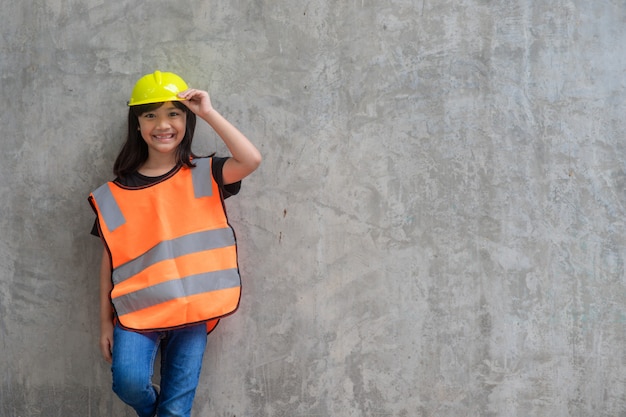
x=173 y=253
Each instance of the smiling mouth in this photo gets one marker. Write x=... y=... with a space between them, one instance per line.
x=168 y=136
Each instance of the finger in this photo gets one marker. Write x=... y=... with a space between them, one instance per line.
x=194 y=94
x=108 y=356
x=104 y=353
x=184 y=94
x=188 y=91
x=106 y=348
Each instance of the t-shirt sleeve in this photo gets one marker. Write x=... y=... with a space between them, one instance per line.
x=227 y=190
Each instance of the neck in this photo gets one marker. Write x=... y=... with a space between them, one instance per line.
x=157 y=165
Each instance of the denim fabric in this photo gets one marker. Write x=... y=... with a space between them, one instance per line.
x=134 y=354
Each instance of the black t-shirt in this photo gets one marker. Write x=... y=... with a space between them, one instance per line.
x=137 y=180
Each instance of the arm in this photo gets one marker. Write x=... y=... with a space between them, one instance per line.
x=106 y=310
x=245 y=156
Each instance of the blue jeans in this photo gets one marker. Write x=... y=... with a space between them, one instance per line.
x=134 y=353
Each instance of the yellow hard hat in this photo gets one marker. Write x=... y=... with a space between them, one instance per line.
x=157 y=87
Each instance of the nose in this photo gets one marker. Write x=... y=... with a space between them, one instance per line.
x=162 y=123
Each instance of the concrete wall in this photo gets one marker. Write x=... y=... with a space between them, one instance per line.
x=437 y=228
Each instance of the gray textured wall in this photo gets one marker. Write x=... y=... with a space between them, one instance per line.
x=437 y=228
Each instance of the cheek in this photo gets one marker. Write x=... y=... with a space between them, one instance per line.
x=181 y=128
x=144 y=132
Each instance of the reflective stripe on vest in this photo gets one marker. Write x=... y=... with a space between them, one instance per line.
x=171 y=290
x=170 y=249
x=173 y=253
x=110 y=211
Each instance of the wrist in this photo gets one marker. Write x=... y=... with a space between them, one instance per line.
x=209 y=115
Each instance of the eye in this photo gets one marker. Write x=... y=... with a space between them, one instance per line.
x=175 y=114
x=148 y=115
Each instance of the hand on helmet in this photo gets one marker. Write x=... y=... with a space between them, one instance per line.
x=198 y=101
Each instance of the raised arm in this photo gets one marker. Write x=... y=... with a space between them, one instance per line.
x=245 y=156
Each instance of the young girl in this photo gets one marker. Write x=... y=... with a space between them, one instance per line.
x=169 y=265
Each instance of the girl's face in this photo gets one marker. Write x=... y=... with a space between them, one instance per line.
x=163 y=128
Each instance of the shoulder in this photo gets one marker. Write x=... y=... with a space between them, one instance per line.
x=217 y=164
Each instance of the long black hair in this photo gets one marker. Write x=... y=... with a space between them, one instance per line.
x=135 y=151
